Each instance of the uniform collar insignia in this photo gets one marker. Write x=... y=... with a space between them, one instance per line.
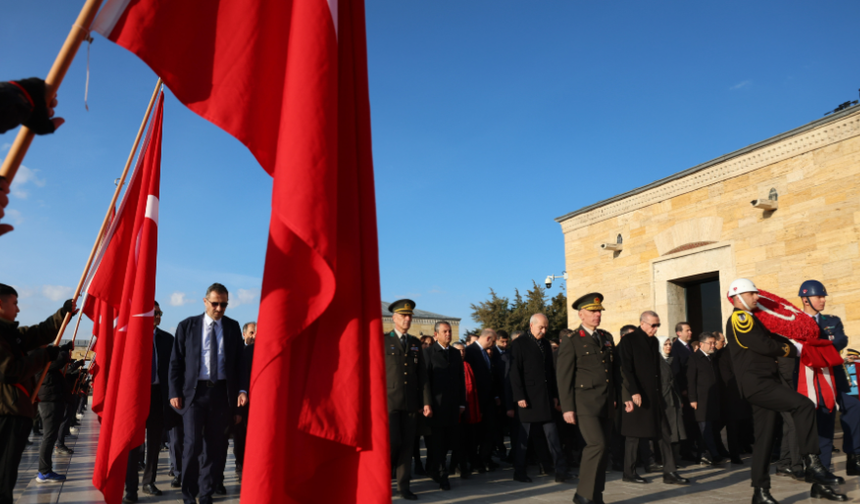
x=582 y=333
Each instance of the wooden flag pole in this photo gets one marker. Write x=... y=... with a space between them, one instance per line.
x=102 y=230
x=80 y=32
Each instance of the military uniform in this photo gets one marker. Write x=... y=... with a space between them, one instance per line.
x=587 y=377
x=754 y=350
x=408 y=392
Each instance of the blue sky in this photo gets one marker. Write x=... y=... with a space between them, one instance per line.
x=490 y=119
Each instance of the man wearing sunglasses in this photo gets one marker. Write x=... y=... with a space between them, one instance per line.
x=642 y=393
x=205 y=372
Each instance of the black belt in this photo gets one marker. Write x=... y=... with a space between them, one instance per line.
x=210 y=383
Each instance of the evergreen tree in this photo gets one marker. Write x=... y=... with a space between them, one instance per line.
x=500 y=313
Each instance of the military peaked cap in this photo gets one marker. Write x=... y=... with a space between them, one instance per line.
x=402 y=306
x=591 y=302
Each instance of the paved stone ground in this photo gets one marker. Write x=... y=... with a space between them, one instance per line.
x=722 y=485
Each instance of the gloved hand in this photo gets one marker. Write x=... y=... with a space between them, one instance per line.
x=53 y=352
x=40 y=121
x=68 y=347
x=71 y=307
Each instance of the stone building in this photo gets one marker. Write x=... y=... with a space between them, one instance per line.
x=675 y=245
x=422 y=322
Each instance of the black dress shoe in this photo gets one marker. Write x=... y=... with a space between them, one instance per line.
x=406 y=494
x=825 y=492
x=785 y=472
x=445 y=485
x=578 y=499
x=481 y=469
x=852 y=465
x=737 y=461
x=817 y=473
x=467 y=474
x=653 y=468
x=522 y=479
x=130 y=497
x=705 y=461
x=562 y=477
x=763 y=496
x=491 y=466
x=220 y=490
x=673 y=478
x=150 y=489
x=634 y=479
x=176 y=483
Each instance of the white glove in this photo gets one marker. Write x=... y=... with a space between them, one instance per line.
x=798 y=346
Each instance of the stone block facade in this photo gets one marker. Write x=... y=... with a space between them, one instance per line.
x=701 y=221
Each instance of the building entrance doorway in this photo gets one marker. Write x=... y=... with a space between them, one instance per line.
x=703 y=302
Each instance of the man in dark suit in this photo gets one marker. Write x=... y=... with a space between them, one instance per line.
x=205 y=372
x=754 y=350
x=447 y=401
x=682 y=350
x=489 y=397
x=160 y=416
x=501 y=355
x=240 y=433
x=408 y=391
x=703 y=390
x=535 y=392
x=587 y=376
x=644 y=411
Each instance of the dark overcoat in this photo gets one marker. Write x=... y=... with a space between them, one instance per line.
x=447 y=385
x=640 y=372
x=672 y=400
x=533 y=379
x=703 y=386
x=485 y=381
x=733 y=407
x=681 y=354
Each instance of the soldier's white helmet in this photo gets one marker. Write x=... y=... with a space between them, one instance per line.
x=740 y=286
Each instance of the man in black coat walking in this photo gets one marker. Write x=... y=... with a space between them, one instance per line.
x=642 y=392
x=489 y=397
x=535 y=392
x=447 y=401
x=703 y=390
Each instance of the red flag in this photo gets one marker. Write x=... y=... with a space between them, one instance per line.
x=124 y=284
x=102 y=315
x=288 y=78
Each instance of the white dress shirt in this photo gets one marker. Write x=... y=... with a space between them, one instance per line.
x=205 y=372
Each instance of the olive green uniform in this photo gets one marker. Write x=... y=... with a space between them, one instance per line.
x=408 y=392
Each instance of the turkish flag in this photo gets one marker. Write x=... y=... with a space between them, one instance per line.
x=102 y=315
x=124 y=284
x=288 y=78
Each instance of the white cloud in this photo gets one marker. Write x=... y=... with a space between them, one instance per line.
x=244 y=296
x=741 y=84
x=22 y=178
x=57 y=292
x=14 y=216
x=178 y=299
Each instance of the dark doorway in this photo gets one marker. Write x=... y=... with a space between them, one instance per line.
x=703 y=299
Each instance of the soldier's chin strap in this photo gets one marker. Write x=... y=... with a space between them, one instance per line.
x=743 y=302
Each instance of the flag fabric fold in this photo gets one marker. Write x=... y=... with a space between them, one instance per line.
x=123 y=286
x=288 y=78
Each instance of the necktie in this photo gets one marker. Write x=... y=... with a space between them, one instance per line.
x=213 y=354
x=596 y=337
x=403 y=340
x=486 y=358
x=154 y=366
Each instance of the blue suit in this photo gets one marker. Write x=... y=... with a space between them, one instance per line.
x=831 y=328
x=207 y=408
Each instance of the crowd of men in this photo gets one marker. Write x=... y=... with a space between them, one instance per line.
x=580 y=399
x=198 y=398
x=583 y=399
